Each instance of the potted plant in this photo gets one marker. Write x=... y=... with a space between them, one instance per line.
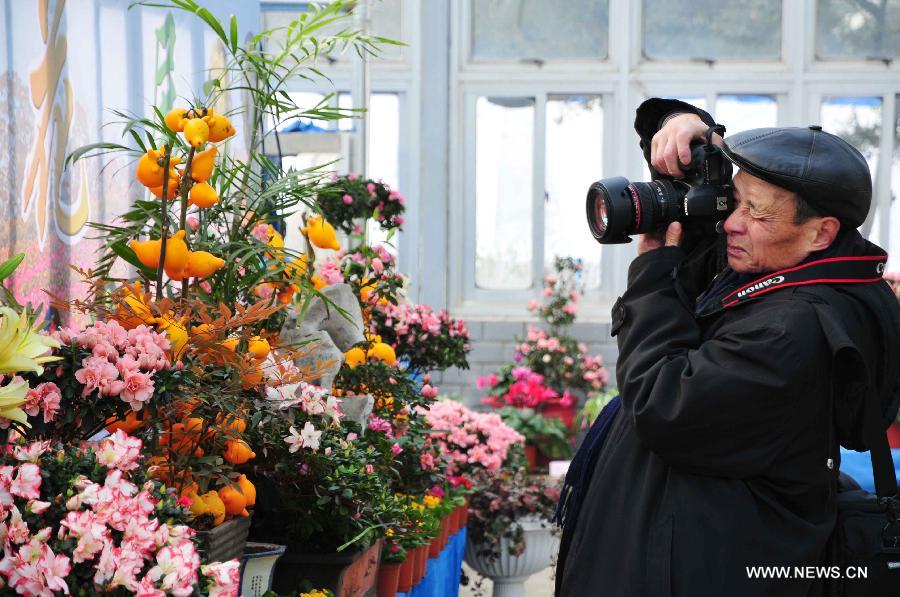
x=510 y=533
x=545 y=435
x=552 y=370
x=86 y=520
x=322 y=497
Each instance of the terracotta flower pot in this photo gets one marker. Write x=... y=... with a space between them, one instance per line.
x=421 y=563
x=405 y=576
x=566 y=414
x=434 y=549
x=893 y=434
x=455 y=520
x=531 y=456
x=388 y=577
x=445 y=532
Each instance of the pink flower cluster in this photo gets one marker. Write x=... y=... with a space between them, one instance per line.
x=538 y=339
x=471 y=439
x=43 y=398
x=419 y=323
x=526 y=391
x=121 y=362
x=109 y=527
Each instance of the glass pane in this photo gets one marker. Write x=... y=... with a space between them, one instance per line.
x=383 y=152
x=574 y=159
x=712 y=30
x=504 y=141
x=893 y=247
x=743 y=112
x=858 y=29
x=385 y=18
x=523 y=29
x=305 y=100
x=858 y=121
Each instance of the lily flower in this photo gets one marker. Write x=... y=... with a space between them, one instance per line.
x=21 y=348
x=12 y=397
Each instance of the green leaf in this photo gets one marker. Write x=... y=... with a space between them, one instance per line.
x=128 y=254
x=212 y=22
x=10 y=265
x=101 y=148
x=234 y=33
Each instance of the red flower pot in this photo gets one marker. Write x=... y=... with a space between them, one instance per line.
x=465 y=514
x=405 y=577
x=893 y=434
x=531 y=456
x=566 y=414
x=456 y=520
x=388 y=577
x=421 y=563
x=434 y=549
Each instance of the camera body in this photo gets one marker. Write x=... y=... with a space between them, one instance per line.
x=617 y=208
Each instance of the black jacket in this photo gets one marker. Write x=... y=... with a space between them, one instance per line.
x=719 y=458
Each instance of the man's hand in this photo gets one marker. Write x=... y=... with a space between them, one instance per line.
x=670 y=238
x=672 y=143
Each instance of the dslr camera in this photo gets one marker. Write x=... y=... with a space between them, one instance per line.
x=617 y=208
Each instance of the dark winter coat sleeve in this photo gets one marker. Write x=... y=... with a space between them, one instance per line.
x=650 y=116
x=718 y=407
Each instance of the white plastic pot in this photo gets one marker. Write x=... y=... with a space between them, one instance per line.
x=509 y=572
x=257 y=566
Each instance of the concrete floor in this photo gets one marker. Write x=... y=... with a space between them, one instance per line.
x=538 y=585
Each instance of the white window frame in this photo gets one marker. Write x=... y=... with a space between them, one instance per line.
x=399 y=77
x=797 y=81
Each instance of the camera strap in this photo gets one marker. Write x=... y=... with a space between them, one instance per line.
x=834 y=270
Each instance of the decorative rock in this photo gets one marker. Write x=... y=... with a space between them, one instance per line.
x=357 y=409
x=345 y=329
x=319 y=356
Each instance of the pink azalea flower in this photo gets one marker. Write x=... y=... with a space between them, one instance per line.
x=347 y=199
x=119 y=451
x=261 y=232
x=138 y=388
x=396 y=449
x=429 y=391
x=27 y=482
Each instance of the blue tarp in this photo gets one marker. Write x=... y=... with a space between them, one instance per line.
x=443 y=572
x=859 y=466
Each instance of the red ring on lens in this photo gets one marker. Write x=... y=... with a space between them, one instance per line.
x=637 y=206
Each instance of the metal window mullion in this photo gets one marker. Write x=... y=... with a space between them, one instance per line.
x=539 y=186
x=467 y=227
x=885 y=164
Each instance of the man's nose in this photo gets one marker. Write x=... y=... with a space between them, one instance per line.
x=734 y=224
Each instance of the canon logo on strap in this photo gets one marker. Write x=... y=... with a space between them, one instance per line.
x=835 y=270
x=760 y=285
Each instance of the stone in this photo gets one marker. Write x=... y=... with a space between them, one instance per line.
x=319 y=358
x=345 y=329
x=357 y=409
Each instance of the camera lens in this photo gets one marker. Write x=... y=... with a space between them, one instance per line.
x=617 y=208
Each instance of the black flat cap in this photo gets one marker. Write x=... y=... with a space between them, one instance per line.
x=829 y=173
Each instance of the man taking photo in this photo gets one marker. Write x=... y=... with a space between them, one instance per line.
x=736 y=391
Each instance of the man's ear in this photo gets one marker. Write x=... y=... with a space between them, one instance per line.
x=826 y=229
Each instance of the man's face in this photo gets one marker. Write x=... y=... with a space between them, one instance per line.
x=762 y=233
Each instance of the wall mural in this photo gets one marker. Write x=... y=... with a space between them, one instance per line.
x=64 y=64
